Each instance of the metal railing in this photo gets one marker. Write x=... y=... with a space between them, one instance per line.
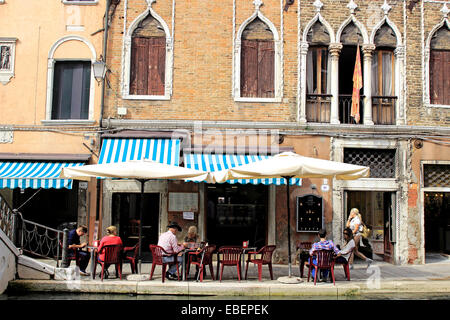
x=345 y=108
x=383 y=109
x=34 y=239
x=318 y=107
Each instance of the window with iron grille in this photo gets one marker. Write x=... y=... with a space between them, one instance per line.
x=380 y=161
x=436 y=175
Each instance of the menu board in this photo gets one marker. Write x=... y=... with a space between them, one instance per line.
x=309 y=213
x=183 y=201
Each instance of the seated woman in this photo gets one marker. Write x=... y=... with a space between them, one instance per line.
x=111 y=238
x=191 y=238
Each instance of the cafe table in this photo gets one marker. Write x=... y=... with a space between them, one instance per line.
x=93 y=251
x=244 y=251
x=184 y=267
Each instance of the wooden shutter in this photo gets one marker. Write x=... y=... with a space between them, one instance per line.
x=439 y=77
x=266 y=69
x=249 y=68
x=157 y=65
x=148 y=65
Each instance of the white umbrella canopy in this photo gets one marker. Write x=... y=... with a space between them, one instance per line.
x=291 y=165
x=141 y=170
x=135 y=169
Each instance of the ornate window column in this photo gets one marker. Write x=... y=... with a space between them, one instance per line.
x=335 y=50
x=367 y=52
x=399 y=54
x=303 y=52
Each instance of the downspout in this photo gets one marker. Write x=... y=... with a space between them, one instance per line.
x=102 y=103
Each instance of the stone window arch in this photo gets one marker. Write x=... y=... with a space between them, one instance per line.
x=148 y=58
x=257 y=58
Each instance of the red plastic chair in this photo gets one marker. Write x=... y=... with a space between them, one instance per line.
x=157 y=259
x=131 y=259
x=346 y=266
x=230 y=257
x=113 y=255
x=304 y=246
x=201 y=259
x=72 y=254
x=266 y=258
x=325 y=261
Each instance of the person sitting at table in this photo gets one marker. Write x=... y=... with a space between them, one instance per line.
x=191 y=238
x=322 y=244
x=345 y=253
x=111 y=238
x=73 y=241
x=168 y=241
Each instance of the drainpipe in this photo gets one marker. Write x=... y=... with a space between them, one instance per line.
x=102 y=103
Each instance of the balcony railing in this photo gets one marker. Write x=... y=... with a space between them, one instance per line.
x=383 y=109
x=345 y=108
x=318 y=107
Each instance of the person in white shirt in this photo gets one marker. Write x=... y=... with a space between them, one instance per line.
x=345 y=253
x=168 y=241
x=354 y=222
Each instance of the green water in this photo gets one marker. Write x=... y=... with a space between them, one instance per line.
x=131 y=297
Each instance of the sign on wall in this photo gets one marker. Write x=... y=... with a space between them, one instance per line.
x=309 y=213
x=183 y=201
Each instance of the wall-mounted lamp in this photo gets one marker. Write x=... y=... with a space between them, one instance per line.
x=287 y=4
x=99 y=67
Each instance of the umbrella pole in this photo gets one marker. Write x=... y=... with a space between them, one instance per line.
x=141 y=209
x=289 y=225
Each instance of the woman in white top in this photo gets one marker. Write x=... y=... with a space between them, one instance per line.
x=354 y=222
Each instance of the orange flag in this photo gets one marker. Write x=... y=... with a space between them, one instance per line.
x=357 y=85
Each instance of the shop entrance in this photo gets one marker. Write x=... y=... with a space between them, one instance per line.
x=378 y=212
x=236 y=213
x=125 y=215
x=437 y=221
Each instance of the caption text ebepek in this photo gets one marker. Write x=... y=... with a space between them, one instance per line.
x=228 y=309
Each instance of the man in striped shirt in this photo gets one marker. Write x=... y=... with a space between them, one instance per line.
x=323 y=244
x=168 y=241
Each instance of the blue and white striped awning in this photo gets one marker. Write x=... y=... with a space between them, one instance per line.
x=34 y=174
x=216 y=162
x=160 y=150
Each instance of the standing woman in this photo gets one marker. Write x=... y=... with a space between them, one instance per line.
x=354 y=222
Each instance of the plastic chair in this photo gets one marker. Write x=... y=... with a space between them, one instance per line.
x=305 y=246
x=346 y=266
x=131 y=259
x=230 y=257
x=266 y=258
x=72 y=254
x=157 y=259
x=325 y=261
x=201 y=259
x=113 y=255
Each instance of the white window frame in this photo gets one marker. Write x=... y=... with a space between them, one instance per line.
x=427 y=53
x=6 y=75
x=126 y=59
x=278 y=72
x=50 y=76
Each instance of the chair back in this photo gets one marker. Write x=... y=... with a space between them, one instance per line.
x=157 y=253
x=304 y=245
x=136 y=251
x=325 y=258
x=208 y=251
x=113 y=253
x=230 y=254
x=266 y=253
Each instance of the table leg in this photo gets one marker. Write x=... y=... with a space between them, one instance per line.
x=183 y=276
x=92 y=264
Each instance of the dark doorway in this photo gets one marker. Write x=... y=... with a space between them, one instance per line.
x=437 y=221
x=236 y=213
x=125 y=215
x=50 y=207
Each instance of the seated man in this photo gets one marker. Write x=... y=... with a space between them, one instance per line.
x=73 y=241
x=168 y=241
x=345 y=253
x=323 y=244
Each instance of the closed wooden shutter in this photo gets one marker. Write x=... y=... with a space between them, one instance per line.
x=439 y=77
x=266 y=69
x=148 y=56
x=249 y=68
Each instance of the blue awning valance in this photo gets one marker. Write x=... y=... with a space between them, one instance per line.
x=216 y=162
x=160 y=150
x=34 y=174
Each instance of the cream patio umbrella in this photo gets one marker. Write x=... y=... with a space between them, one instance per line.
x=141 y=170
x=291 y=165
